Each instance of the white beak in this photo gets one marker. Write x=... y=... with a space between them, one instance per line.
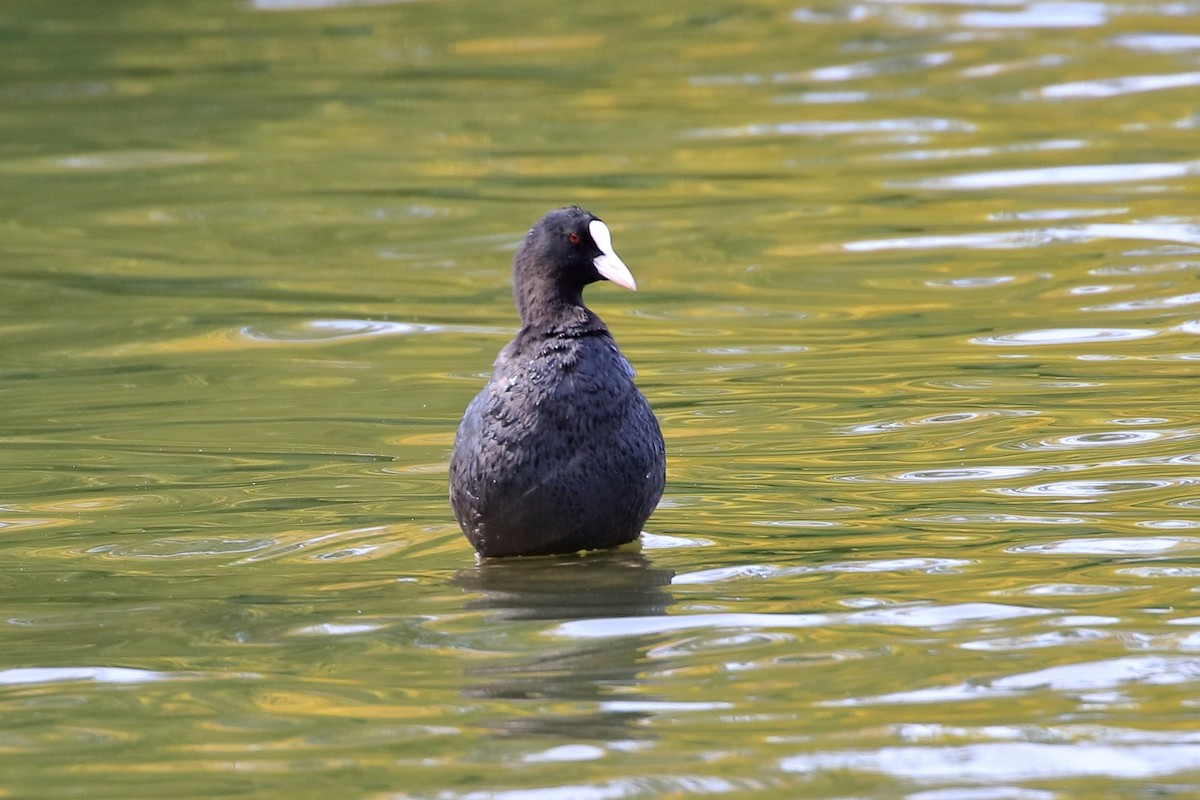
x=608 y=263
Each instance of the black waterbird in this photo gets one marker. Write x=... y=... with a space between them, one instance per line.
x=559 y=452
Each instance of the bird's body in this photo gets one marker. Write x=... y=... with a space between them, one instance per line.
x=559 y=452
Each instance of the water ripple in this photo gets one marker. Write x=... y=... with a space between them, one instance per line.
x=1034 y=237
x=116 y=161
x=1037 y=641
x=942 y=418
x=1189 y=573
x=1176 y=301
x=929 y=566
x=1094 y=489
x=1114 y=87
x=1169 y=524
x=957 y=474
x=1113 y=546
x=31 y=675
x=308 y=5
x=183 y=548
x=1088 y=676
x=1005 y=761
x=1044 y=214
x=337 y=629
x=998 y=519
x=1158 y=42
x=1098 y=439
x=965 y=474
x=1052 y=336
x=621 y=789
x=1041 y=15
x=928 y=616
x=1078 y=175
x=985 y=151
x=327 y=330
x=837 y=128
x=830 y=74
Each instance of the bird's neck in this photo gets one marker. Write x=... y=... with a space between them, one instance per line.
x=568 y=321
x=550 y=306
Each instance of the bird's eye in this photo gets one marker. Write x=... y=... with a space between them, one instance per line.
x=573 y=237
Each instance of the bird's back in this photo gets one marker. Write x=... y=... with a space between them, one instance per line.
x=559 y=452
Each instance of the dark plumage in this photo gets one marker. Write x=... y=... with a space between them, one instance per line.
x=559 y=452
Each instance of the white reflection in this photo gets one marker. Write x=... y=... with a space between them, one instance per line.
x=604 y=791
x=823 y=98
x=980 y=241
x=1036 y=641
x=1190 y=573
x=1158 y=42
x=1078 y=175
x=946 y=418
x=983 y=793
x=845 y=13
x=1001 y=761
x=977 y=282
x=1102 y=439
x=916 y=616
x=929 y=566
x=1092 y=489
x=933 y=616
x=1114 y=87
x=1083 y=619
x=1035 y=237
x=966 y=474
x=1040 y=15
x=868 y=69
x=981 y=151
x=988 y=70
x=838 y=128
x=28 y=675
x=1190 y=299
x=998 y=519
x=336 y=629
x=1088 y=676
x=650 y=706
x=328 y=330
x=1041 y=215
x=566 y=752
x=658 y=541
x=1112 y=546
x=1066 y=336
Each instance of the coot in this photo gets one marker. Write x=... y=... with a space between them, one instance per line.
x=559 y=452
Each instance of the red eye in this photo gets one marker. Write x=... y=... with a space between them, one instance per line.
x=573 y=237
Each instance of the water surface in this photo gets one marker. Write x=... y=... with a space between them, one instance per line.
x=918 y=312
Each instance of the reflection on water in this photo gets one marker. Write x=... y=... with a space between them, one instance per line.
x=1007 y=761
x=601 y=584
x=918 y=315
x=605 y=584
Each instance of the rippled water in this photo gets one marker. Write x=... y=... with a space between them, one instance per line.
x=919 y=314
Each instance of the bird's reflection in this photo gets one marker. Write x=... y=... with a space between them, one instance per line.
x=609 y=585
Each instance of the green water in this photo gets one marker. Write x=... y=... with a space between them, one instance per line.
x=918 y=312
